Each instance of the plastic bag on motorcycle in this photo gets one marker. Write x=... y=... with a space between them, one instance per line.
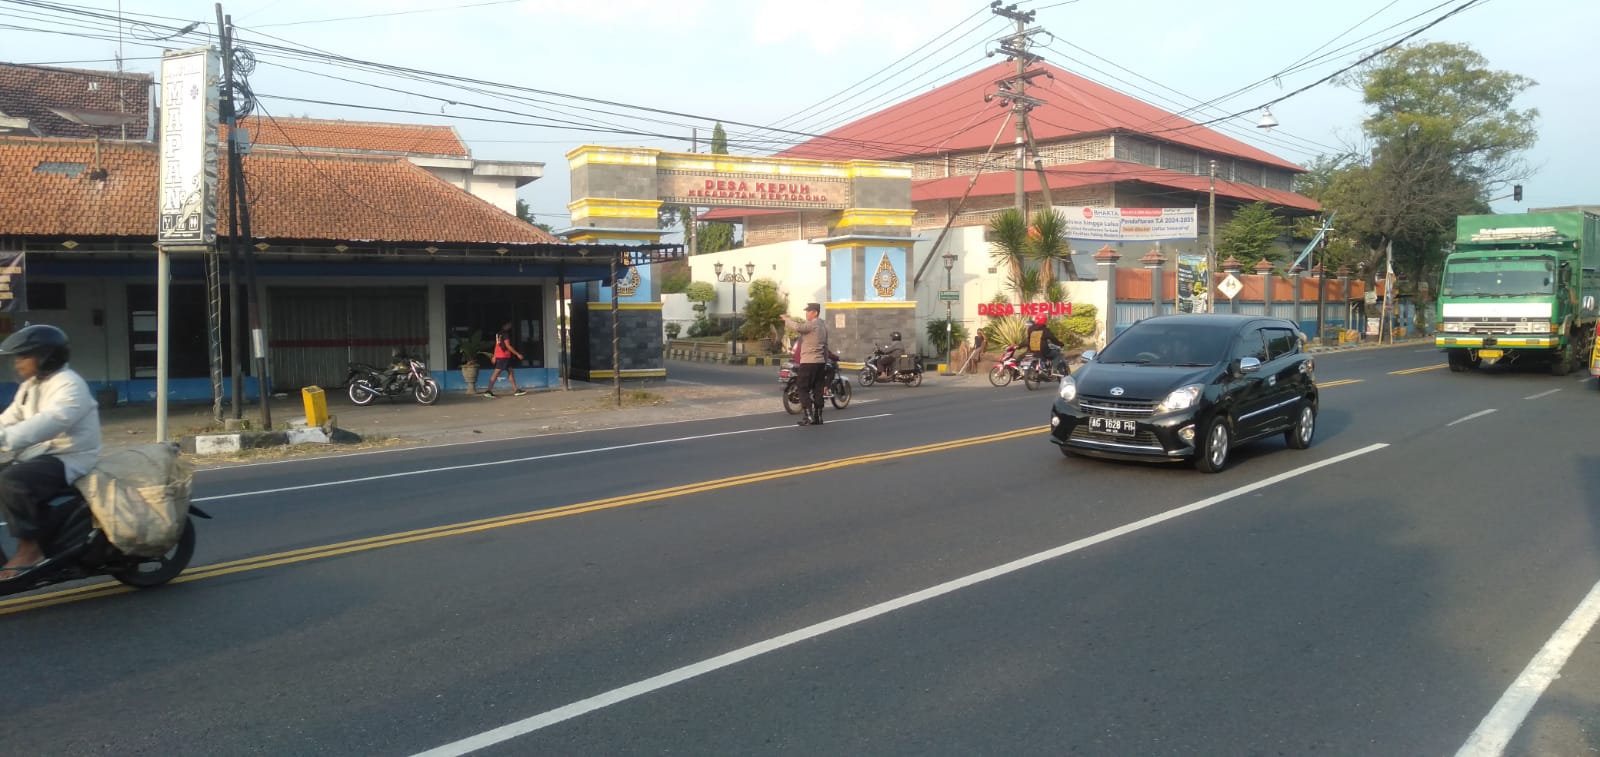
x=140 y=497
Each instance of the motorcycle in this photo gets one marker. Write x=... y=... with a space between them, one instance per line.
x=366 y=383
x=1034 y=374
x=836 y=388
x=904 y=369
x=78 y=549
x=1006 y=369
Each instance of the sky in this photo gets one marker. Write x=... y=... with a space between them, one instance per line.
x=665 y=69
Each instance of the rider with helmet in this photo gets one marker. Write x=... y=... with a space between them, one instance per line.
x=891 y=353
x=1043 y=344
x=53 y=427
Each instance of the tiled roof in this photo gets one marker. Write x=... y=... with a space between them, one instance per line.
x=31 y=91
x=955 y=118
x=294 y=197
x=1101 y=172
x=330 y=134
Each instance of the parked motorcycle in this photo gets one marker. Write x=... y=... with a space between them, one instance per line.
x=881 y=366
x=409 y=376
x=78 y=549
x=1006 y=369
x=1034 y=374
x=836 y=389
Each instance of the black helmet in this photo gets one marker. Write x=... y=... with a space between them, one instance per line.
x=47 y=343
x=894 y=337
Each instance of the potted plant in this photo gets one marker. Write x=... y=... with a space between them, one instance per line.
x=468 y=349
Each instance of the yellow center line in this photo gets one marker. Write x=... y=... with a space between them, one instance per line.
x=1340 y=382
x=1425 y=368
x=259 y=562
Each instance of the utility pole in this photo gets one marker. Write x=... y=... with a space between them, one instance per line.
x=230 y=118
x=258 y=338
x=1013 y=90
x=691 y=223
x=1211 y=242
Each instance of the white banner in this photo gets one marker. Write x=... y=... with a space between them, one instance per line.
x=1130 y=224
x=188 y=157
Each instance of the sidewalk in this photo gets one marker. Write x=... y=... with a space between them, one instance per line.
x=461 y=417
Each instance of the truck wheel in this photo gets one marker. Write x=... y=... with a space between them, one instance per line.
x=1562 y=365
x=1460 y=361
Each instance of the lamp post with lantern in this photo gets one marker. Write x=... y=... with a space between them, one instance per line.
x=734 y=279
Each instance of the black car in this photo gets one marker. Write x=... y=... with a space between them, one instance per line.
x=1180 y=387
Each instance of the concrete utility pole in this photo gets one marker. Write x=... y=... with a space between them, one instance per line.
x=1013 y=90
x=1211 y=242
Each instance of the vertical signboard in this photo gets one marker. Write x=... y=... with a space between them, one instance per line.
x=1192 y=279
x=13 y=282
x=188 y=157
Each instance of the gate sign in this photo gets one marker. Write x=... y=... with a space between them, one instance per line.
x=1130 y=224
x=188 y=158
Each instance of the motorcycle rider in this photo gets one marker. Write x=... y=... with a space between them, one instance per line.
x=1044 y=346
x=53 y=426
x=891 y=353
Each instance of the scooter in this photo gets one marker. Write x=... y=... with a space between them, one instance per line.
x=1036 y=372
x=78 y=549
x=904 y=369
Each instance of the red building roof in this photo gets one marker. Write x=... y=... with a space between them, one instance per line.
x=294 y=196
x=332 y=134
x=37 y=92
x=955 y=118
x=1101 y=172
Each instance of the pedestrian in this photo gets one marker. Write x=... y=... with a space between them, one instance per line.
x=813 y=362
x=504 y=350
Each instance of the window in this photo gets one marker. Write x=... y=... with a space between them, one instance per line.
x=44 y=295
x=1281 y=342
x=1251 y=344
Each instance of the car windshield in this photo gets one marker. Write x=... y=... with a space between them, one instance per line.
x=1499 y=278
x=1169 y=343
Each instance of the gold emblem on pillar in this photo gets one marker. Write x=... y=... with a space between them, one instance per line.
x=885 y=280
x=629 y=283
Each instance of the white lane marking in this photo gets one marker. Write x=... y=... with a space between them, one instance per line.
x=1502 y=722
x=523 y=727
x=1478 y=414
x=552 y=455
x=1541 y=394
x=1585 y=378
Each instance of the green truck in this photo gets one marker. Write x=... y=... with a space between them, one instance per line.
x=1521 y=287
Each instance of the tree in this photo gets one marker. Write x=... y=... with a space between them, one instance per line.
x=526 y=214
x=763 y=312
x=1442 y=135
x=709 y=237
x=1251 y=236
x=700 y=293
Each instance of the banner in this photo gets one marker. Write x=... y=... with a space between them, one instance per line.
x=188 y=150
x=1130 y=224
x=13 y=282
x=1192 y=280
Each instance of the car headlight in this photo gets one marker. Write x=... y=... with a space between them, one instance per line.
x=1068 y=390
x=1180 y=399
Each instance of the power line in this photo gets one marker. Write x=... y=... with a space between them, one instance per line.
x=391 y=13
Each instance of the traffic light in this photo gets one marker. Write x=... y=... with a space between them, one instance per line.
x=1516 y=192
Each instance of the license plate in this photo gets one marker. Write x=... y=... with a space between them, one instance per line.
x=1118 y=426
x=1490 y=354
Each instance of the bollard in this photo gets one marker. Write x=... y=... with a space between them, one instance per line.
x=316 y=406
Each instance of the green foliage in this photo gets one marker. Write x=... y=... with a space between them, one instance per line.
x=719 y=140
x=714 y=237
x=674 y=277
x=1252 y=235
x=1029 y=251
x=1080 y=327
x=701 y=292
x=763 y=312
x=937 y=334
x=1003 y=330
x=673 y=329
x=473 y=346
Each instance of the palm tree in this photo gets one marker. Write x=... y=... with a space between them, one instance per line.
x=1047 y=243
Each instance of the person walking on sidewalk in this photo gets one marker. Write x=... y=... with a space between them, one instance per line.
x=813 y=362
x=503 y=352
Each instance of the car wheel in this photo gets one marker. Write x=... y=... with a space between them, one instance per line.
x=1212 y=456
x=1305 y=426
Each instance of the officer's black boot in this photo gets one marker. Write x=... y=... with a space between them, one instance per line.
x=805 y=417
x=816 y=416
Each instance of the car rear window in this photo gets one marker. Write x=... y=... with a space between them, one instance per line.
x=1170 y=343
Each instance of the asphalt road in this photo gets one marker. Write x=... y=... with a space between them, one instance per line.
x=924 y=574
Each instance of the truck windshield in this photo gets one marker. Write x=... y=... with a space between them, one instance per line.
x=1492 y=277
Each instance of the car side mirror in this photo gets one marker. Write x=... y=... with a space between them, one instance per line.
x=1588 y=302
x=1249 y=365
x=1088 y=355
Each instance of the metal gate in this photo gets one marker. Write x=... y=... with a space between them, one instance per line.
x=318 y=332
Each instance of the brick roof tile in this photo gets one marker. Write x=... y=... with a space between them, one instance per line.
x=31 y=91
x=333 y=134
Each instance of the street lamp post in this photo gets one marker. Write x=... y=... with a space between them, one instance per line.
x=734 y=279
x=949 y=325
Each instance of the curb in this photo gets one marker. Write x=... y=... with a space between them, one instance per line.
x=234 y=442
